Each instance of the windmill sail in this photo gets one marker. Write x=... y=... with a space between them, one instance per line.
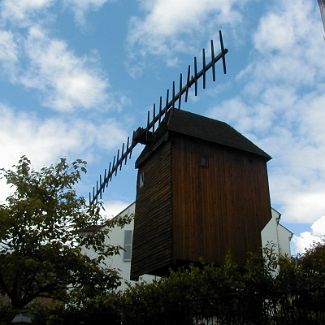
x=321 y=4
x=173 y=99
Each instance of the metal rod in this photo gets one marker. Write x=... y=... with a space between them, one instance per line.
x=154 y=115
x=188 y=82
x=104 y=180
x=180 y=88
x=109 y=172
x=113 y=168
x=132 y=145
x=122 y=156
x=222 y=50
x=212 y=60
x=167 y=101
x=191 y=82
x=160 y=109
x=127 y=148
x=117 y=161
x=100 y=182
x=204 y=69
x=195 y=76
x=173 y=100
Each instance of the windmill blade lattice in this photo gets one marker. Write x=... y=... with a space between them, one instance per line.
x=141 y=134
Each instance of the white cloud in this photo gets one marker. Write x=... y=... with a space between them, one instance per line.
x=281 y=106
x=318 y=227
x=80 y=7
x=289 y=23
x=306 y=205
x=30 y=56
x=23 y=11
x=67 y=82
x=297 y=174
x=281 y=38
x=170 y=27
x=306 y=239
x=113 y=208
x=168 y=17
x=290 y=39
x=45 y=140
x=8 y=47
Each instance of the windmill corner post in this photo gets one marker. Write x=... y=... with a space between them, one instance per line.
x=202 y=187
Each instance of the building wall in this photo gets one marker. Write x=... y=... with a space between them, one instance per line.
x=277 y=235
x=285 y=236
x=117 y=237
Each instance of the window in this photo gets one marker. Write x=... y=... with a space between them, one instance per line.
x=127 y=254
x=204 y=162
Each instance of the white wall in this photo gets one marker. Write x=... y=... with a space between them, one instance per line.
x=276 y=234
x=285 y=236
x=116 y=237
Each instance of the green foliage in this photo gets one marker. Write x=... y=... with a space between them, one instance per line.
x=300 y=284
x=44 y=225
x=44 y=232
x=266 y=290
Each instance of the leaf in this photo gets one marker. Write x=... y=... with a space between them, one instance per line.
x=42 y=230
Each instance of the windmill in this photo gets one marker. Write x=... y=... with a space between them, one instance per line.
x=202 y=187
x=172 y=100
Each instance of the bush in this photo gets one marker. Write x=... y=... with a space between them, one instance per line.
x=266 y=290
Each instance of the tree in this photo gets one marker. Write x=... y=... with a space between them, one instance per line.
x=45 y=230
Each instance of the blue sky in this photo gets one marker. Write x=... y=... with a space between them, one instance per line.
x=78 y=76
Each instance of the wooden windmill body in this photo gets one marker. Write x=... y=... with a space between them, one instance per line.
x=202 y=191
x=202 y=187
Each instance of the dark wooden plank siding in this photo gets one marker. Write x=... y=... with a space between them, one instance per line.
x=220 y=208
x=152 y=239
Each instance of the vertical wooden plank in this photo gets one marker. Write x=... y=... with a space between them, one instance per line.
x=152 y=240
x=219 y=208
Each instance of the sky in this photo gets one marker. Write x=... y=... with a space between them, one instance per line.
x=78 y=76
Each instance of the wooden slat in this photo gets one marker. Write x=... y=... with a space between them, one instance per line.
x=189 y=213
x=220 y=208
x=152 y=240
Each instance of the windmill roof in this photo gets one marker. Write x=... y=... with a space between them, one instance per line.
x=204 y=128
x=211 y=130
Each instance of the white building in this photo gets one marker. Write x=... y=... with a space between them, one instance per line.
x=123 y=237
x=277 y=235
x=273 y=233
